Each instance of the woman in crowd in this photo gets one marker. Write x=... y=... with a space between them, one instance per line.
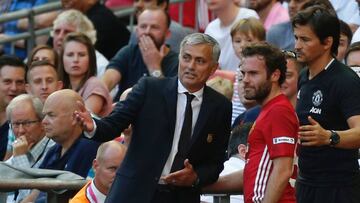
x=78 y=72
x=43 y=52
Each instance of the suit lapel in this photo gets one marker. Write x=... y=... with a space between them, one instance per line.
x=205 y=110
x=170 y=96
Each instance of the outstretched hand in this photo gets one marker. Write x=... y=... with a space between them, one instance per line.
x=314 y=134
x=83 y=117
x=184 y=177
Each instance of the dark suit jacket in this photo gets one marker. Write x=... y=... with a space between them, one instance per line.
x=151 y=109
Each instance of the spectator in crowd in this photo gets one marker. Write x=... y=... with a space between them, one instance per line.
x=244 y=32
x=74 y=21
x=236 y=153
x=285 y=30
x=111 y=34
x=347 y=11
x=177 y=31
x=222 y=85
x=71 y=152
x=42 y=79
x=227 y=15
x=12 y=84
x=78 y=72
x=193 y=155
x=43 y=52
x=352 y=56
x=12 y=28
x=271 y=12
x=328 y=109
x=108 y=159
x=24 y=113
x=150 y=57
x=345 y=39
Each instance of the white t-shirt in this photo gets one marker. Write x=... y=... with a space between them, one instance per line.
x=347 y=11
x=228 y=60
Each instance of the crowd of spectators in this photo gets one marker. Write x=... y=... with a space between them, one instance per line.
x=64 y=94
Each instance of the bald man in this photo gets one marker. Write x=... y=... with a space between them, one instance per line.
x=71 y=152
x=108 y=158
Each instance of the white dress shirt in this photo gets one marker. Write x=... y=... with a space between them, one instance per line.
x=180 y=113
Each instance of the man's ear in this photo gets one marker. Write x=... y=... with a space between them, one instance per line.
x=328 y=42
x=242 y=151
x=95 y=164
x=275 y=76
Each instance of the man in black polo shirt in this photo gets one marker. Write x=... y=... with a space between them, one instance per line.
x=328 y=108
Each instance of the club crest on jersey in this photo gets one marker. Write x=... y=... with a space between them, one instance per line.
x=317 y=98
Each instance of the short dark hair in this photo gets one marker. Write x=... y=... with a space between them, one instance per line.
x=273 y=57
x=167 y=16
x=345 y=30
x=239 y=135
x=353 y=47
x=35 y=64
x=322 y=22
x=10 y=60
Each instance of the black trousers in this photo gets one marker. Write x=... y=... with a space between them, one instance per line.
x=173 y=194
x=311 y=194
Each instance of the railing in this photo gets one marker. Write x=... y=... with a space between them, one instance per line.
x=30 y=14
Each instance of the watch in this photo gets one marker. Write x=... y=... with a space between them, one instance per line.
x=156 y=73
x=334 y=138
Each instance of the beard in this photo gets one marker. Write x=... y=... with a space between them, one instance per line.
x=259 y=94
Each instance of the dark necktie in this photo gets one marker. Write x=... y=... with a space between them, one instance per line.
x=185 y=136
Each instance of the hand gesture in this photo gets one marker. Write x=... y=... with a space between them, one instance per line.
x=21 y=146
x=313 y=134
x=83 y=117
x=151 y=55
x=184 y=177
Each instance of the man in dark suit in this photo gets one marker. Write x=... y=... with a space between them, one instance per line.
x=158 y=110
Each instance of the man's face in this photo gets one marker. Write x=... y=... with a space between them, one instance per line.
x=308 y=47
x=343 y=46
x=258 y=5
x=24 y=122
x=60 y=31
x=153 y=24
x=353 y=59
x=295 y=6
x=43 y=81
x=195 y=66
x=289 y=87
x=58 y=120
x=106 y=167
x=141 y=5
x=12 y=83
x=257 y=84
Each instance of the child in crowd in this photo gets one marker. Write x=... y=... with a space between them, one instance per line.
x=245 y=31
